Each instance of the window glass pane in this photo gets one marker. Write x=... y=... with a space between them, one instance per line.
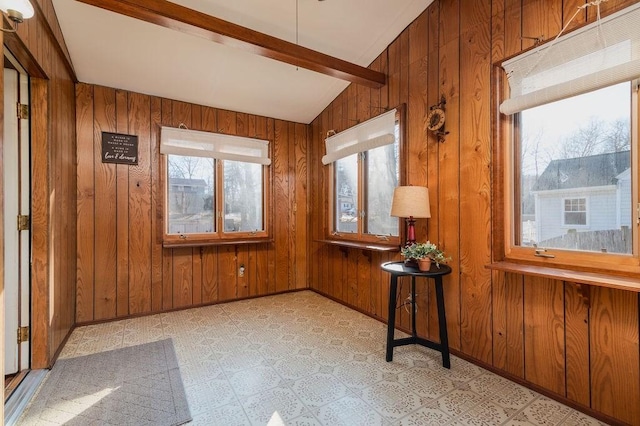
x=383 y=174
x=575 y=173
x=346 y=198
x=242 y=196
x=190 y=195
x=575 y=211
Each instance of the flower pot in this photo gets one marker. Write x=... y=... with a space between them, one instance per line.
x=424 y=264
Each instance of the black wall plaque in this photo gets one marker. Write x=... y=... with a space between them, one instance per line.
x=119 y=148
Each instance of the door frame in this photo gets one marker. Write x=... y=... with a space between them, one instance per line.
x=22 y=192
x=41 y=204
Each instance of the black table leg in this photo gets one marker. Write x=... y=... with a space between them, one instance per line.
x=393 y=290
x=442 y=323
x=414 y=333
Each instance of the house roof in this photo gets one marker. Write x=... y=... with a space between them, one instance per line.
x=593 y=170
x=189 y=182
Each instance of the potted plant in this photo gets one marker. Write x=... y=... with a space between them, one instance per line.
x=424 y=254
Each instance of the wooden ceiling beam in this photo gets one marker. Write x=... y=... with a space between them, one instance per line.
x=189 y=21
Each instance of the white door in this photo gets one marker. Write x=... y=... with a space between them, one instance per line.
x=17 y=196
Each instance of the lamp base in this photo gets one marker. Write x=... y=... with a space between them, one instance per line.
x=411 y=231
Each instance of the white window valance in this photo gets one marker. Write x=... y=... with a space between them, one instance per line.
x=598 y=55
x=195 y=143
x=376 y=132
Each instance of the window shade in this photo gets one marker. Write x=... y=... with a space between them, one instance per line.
x=195 y=143
x=598 y=55
x=373 y=133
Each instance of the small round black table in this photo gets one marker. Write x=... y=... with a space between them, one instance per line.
x=398 y=269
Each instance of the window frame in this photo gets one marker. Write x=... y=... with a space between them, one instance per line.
x=359 y=237
x=219 y=236
x=506 y=132
x=585 y=211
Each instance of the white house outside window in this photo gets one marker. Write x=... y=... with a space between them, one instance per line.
x=575 y=211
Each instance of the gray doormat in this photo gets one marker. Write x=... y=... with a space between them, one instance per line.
x=137 y=385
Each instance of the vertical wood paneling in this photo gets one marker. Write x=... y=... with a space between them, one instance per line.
x=159 y=279
x=243 y=279
x=227 y=277
x=569 y=10
x=271 y=253
x=292 y=207
x=514 y=301
x=41 y=347
x=140 y=208
x=281 y=200
x=614 y=354
x=122 y=213
x=577 y=343
x=157 y=264
x=475 y=181
x=499 y=316
x=86 y=206
x=209 y=274
x=417 y=109
x=105 y=204
x=363 y=296
x=512 y=28
x=350 y=272
x=540 y=18
x=544 y=333
x=182 y=269
x=374 y=301
x=300 y=218
x=449 y=162
x=433 y=156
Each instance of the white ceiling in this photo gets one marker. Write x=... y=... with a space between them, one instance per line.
x=117 y=51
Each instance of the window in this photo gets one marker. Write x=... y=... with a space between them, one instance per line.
x=574 y=166
x=569 y=134
x=574 y=163
x=364 y=176
x=575 y=211
x=217 y=193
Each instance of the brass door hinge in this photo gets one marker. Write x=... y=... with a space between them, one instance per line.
x=23 y=111
x=23 y=334
x=23 y=222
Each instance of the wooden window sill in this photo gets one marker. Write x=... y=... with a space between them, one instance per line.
x=361 y=245
x=628 y=283
x=186 y=243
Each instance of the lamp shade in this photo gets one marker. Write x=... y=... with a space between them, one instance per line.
x=411 y=201
x=22 y=7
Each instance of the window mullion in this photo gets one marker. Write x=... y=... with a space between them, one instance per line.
x=219 y=196
x=361 y=191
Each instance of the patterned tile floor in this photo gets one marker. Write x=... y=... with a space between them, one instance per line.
x=302 y=359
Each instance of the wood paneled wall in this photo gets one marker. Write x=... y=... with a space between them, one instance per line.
x=538 y=330
x=122 y=268
x=39 y=47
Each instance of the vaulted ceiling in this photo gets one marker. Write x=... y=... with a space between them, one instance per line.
x=115 y=50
